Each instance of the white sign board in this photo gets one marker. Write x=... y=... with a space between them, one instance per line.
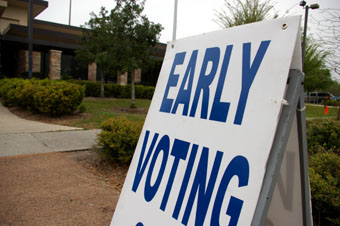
x=202 y=153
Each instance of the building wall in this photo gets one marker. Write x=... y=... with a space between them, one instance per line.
x=13 y=15
x=23 y=62
x=55 y=64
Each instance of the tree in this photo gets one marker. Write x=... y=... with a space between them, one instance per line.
x=317 y=75
x=134 y=36
x=328 y=32
x=238 y=12
x=122 y=39
x=335 y=88
x=96 y=44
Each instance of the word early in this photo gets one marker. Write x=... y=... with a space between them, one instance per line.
x=219 y=110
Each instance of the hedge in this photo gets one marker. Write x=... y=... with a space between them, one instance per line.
x=325 y=133
x=44 y=96
x=323 y=137
x=324 y=175
x=119 y=138
x=92 y=89
x=332 y=102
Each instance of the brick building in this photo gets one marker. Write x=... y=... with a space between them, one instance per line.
x=54 y=47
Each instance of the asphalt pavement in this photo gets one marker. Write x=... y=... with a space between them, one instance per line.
x=20 y=136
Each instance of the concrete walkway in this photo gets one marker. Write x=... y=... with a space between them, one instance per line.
x=20 y=136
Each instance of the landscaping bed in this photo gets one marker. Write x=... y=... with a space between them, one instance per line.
x=97 y=111
x=73 y=188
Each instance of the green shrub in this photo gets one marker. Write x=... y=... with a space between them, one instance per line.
x=324 y=174
x=124 y=91
x=144 y=92
x=92 y=89
x=23 y=94
x=59 y=98
x=332 y=102
x=9 y=89
x=115 y=90
x=82 y=108
x=139 y=91
x=119 y=138
x=7 y=84
x=148 y=92
x=324 y=133
x=44 y=96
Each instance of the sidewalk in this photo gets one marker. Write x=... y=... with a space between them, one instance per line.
x=20 y=136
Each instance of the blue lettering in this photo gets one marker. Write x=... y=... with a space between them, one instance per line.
x=239 y=167
x=219 y=111
x=199 y=186
x=185 y=181
x=183 y=96
x=179 y=151
x=211 y=55
x=142 y=165
x=173 y=79
x=234 y=210
x=248 y=75
x=203 y=185
x=150 y=191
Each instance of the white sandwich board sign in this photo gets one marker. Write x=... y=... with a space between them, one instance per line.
x=203 y=154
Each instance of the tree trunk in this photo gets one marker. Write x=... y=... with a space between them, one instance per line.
x=339 y=113
x=102 y=84
x=133 y=97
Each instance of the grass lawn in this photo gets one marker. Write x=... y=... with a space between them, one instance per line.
x=101 y=109
x=317 y=111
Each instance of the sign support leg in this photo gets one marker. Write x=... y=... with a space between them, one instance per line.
x=305 y=188
x=279 y=147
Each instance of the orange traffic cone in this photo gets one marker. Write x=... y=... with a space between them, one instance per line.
x=326 y=110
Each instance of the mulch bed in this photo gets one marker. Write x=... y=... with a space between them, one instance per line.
x=66 y=120
x=71 y=188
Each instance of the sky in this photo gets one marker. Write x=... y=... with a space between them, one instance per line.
x=194 y=16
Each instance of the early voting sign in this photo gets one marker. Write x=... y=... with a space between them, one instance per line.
x=202 y=154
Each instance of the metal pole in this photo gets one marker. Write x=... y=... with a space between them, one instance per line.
x=175 y=22
x=279 y=148
x=30 y=38
x=303 y=153
x=304 y=37
x=69 y=16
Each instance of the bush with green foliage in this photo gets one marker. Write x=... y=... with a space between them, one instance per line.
x=92 y=89
x=324 y=172
x=58 y=99
x=119 y=138
x=325 y=133
x=144 y=92
x=332 y=103
x=323 y=137
x=9 y=89
x=117 y=91
x=44 y=96
x=82 y=108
